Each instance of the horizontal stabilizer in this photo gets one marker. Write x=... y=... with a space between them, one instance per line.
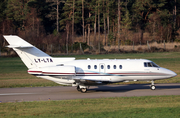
x=15 y=46
x=16 y=41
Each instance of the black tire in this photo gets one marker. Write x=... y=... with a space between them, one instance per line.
x=153 y=87
x=83 y=90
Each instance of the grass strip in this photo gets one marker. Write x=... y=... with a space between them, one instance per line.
x=139 y=107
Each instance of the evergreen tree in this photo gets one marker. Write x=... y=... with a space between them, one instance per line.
x=142 y=9
x=17 y=11
x=126 y=24
x=44 y=10
x=3 y=4
x=2 y=10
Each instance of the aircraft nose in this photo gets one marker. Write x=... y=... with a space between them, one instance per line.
x=173 y=74
x=170 y=73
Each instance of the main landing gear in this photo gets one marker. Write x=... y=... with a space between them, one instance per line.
x=83 y=89
x=152 y=85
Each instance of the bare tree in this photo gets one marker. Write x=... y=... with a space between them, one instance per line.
x=73 y=26
x=56 y=2
x=83 y=17
x=57 y=20
x=67 y=36
x=119 y=18
x=99 y=26
x=95 y=20
x=89 y=30
x=174 y=13
x=104 y=17
x=107 y=2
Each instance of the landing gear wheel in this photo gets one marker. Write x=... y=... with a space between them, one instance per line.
x=153 y=87
x=78 y=88
x=83 y=90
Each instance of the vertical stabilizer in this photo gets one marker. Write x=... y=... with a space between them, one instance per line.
x=29 y=54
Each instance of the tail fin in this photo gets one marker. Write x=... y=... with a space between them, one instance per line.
x=29 y=54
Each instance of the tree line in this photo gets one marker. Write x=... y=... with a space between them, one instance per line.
x=62 y=23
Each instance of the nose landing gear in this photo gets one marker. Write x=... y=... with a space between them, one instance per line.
x=153 y=87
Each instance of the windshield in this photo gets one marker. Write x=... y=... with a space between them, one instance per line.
x=150 y=64
x=154 y=65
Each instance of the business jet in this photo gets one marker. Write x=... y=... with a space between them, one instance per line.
x=88 y=72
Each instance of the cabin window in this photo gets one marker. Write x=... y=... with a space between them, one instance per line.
x=102 y=66
x=89 y=67
x=120 y=66
x=95 y=66
x=108 y=66
x=114 y=66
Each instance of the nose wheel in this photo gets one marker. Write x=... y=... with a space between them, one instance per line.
x=153 y=87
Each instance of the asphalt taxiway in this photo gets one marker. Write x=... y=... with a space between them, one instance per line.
x=67 y=92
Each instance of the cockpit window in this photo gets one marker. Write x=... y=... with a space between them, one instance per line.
x=150 y=64
x=145 y=64
x=154 y=65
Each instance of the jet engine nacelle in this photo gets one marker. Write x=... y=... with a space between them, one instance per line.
x=54 y=70
x=59 y=70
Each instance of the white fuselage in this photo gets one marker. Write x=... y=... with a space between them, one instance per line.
x=103 y=71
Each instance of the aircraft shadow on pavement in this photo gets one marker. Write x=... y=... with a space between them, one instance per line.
x=130 y=87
